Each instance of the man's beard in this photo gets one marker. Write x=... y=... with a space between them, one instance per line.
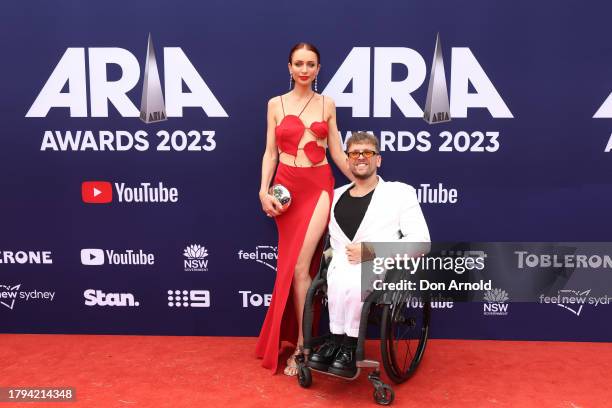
x=364 y=176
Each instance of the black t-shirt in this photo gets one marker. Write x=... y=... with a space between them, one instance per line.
x=349 y=212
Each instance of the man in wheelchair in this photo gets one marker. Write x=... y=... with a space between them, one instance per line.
x=367 y=210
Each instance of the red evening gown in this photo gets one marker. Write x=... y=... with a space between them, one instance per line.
x=306 y=185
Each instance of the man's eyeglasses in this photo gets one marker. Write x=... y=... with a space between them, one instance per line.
x=366 y=153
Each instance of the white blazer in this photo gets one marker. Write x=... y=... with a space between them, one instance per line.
x=393 y=215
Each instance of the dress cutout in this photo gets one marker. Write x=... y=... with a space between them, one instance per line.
x=291 y=129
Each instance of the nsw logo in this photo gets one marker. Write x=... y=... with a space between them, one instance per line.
x=196 y=258
x=496 y=303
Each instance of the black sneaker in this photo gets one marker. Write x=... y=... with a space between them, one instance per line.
x=324 y=356
x=344 y=365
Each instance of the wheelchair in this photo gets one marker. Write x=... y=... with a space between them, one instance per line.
x=404 y=330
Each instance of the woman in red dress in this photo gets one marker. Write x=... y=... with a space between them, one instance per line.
x=301 y=124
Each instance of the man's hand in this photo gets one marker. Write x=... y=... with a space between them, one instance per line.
x=353 y=253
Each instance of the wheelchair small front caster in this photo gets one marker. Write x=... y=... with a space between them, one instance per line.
x=304 y=375
x=383 y=394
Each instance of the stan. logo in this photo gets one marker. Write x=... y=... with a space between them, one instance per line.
x=496 y=302
x=195 y=261
x=99 y=298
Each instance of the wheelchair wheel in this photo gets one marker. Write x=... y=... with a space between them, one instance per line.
x=304 y=376
x=404 y=333
x=384 y=395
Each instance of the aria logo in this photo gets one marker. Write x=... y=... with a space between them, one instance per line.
x=437 y=109
x=71 y=72
x=496 y=303
x=195 y=261
x=10 y=294
x=464 y=70
x=264 y=254
x=605 y=112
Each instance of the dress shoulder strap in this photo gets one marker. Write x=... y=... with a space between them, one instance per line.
x=282 y=105
x=323 y=114
x=304 y=108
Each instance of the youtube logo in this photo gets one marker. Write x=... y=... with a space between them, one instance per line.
x=97 y=256
x=92 y=256
x=97 y=192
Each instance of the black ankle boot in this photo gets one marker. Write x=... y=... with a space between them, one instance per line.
x=325 y=355
x=345 y=364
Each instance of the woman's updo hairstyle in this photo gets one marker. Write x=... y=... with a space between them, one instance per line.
x=307 y=46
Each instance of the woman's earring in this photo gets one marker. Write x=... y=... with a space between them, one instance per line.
x=316 y=83
x=290 y=79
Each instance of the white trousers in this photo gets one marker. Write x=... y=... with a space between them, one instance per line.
x=344 y=300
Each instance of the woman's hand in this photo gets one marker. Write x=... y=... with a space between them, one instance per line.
x=270 y=204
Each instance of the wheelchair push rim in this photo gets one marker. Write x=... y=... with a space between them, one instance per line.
x=404 y=333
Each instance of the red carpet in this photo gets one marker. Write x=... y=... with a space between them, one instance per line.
x=152 y=371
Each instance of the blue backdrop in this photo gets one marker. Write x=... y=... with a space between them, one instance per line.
x=542 y=175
